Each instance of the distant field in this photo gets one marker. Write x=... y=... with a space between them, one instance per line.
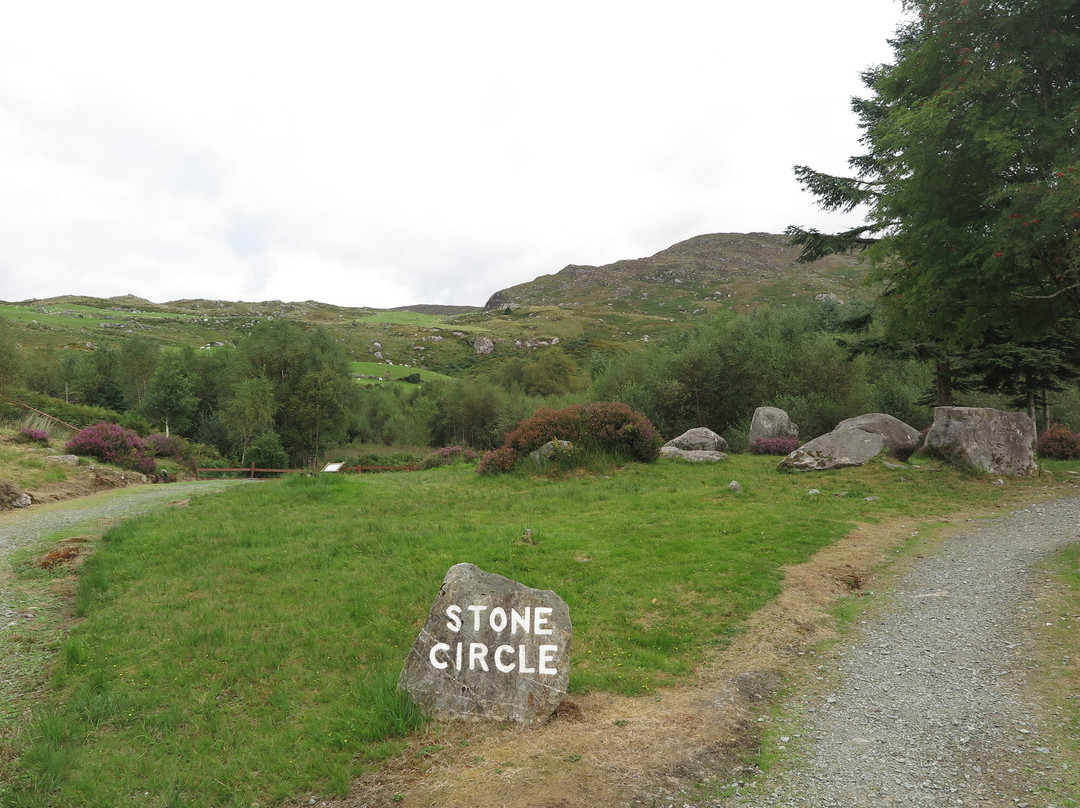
x=417 y=320
x=395 y=372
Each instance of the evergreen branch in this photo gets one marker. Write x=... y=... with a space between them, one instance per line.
x=815 y=244
x=835 y=193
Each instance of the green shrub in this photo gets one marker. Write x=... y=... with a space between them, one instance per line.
x=172 y=447
x=266 y=452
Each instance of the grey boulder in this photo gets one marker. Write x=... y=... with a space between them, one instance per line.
x=901 y=440
x=984 y=439
x=698 y=439
x=850 y=446
x=491 y=649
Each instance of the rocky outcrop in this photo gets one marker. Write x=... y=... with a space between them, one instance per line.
x=901 y=440
x=984 y=439
x=11 y=496
x=850 y=446
x=696 y=445
x=482 y=346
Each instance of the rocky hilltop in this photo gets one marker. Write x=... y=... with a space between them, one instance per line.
x=701 y=271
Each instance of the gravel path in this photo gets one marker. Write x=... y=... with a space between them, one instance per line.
x=26 y=527
x=929 y=707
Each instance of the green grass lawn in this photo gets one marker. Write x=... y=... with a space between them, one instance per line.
x=245 y=648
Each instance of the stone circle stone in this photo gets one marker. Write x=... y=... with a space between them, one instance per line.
x=548 y=449
x=901 y=440
x=850 y=446
x=491 y=649
x=692 y=455
x=772 y=422
x=984 y=439
x=699 y=438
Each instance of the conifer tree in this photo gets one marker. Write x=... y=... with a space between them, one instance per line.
x=971 y=177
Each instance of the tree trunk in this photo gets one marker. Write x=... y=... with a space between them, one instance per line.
x=944 y=384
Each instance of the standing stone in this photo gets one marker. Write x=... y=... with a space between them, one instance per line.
x=984 y=439
x=772 y=422
x=492 y=649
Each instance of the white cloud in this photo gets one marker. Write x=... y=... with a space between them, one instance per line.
x=382 y=154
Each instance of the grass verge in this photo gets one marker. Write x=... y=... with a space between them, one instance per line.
x=245 y=648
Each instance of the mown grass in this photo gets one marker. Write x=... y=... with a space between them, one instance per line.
x=246 y=648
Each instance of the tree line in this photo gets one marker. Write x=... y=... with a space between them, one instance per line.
x=285 y=394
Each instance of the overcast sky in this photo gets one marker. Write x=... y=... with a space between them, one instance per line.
x=406 y=151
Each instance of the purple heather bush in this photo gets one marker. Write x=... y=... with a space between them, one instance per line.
x=1059 y=443
x=446 y=456
x=39 y=436
x=606 y=426
x=114 y=444
x=773 y=446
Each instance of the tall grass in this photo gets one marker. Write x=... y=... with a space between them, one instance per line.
x=246 y=648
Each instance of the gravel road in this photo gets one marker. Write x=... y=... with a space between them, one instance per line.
x=25 y=527
x=928 y=706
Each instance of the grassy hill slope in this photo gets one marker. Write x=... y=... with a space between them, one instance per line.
x=704 y=272
x=582 y=308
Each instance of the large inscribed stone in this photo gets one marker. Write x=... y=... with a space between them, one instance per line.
x=491 y=649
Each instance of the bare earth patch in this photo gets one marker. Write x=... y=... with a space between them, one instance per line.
x=604 y=749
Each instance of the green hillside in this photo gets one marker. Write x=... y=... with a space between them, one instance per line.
x=581 y=308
